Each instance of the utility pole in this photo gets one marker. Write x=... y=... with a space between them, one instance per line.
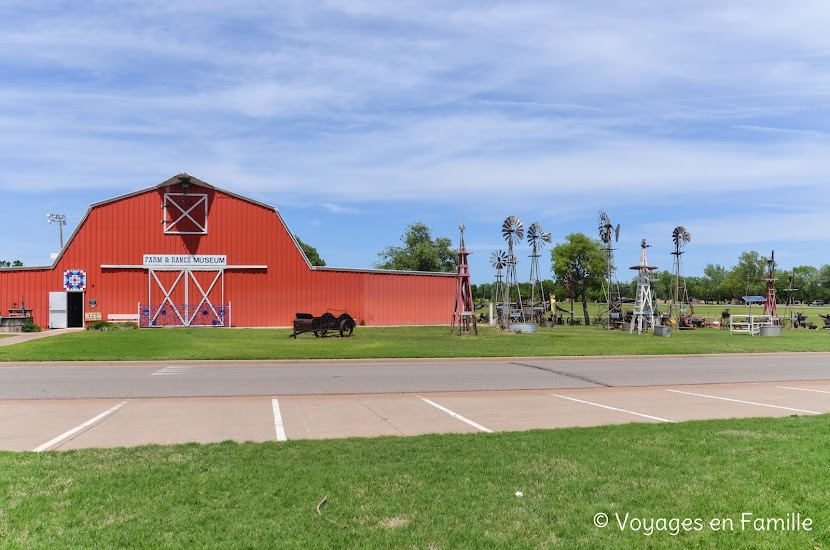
x=61 y=221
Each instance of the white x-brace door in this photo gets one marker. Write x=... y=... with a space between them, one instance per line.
x=181 y=311
x=185 y=214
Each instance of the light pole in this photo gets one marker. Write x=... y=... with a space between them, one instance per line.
x=61 y=220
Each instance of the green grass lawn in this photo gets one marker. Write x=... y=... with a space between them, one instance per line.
x=376 y=342
x=437 y=491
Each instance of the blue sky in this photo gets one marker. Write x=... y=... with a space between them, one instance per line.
x=357 y=118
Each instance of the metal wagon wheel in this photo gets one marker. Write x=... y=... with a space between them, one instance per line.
x=346 y=328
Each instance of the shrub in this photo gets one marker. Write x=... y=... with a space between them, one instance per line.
x=104 y=326
x=31 y=326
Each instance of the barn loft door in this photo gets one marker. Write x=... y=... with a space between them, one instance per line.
x=185 y=213
x=184 y=298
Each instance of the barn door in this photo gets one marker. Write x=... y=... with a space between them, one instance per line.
x=185 y=213
x=186 y=297
x=206 y=298
x=57 y=310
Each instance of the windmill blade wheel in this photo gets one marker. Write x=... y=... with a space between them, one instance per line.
x=498 y=259
x=512 y=228
x=533 y=232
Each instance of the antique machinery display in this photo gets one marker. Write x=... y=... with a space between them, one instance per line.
x=498 y=259
x=536 y=238
x=513 y=232
x=680 y=294
x=610 y=314
x=321 y=326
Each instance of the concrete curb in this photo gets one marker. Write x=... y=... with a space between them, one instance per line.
x=419 y=360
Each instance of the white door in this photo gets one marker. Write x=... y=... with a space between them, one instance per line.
x=57 y=310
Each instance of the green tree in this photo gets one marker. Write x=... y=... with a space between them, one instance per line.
x=714 y=275
x=483 y=292
x=310 y=253
x=420 y=252
x=823 y=283
x=662 y=284
x=15 y=263
x=582 y=260
x=696 y=287
x=629 y=289
x=806 y=281
x=748 y=277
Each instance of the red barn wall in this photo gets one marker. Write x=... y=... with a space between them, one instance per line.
x=121 y=231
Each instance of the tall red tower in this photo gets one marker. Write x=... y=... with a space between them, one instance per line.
x=464 y=313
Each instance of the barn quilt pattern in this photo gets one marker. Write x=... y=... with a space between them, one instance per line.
x=74 y=280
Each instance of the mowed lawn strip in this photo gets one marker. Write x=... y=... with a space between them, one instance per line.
x=394 y=342
x=439 y=491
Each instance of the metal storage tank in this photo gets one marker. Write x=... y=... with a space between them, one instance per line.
x=187 y=253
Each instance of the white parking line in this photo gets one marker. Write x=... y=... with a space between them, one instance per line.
x=744 y=402
x=278 y=421
x=169 y=371
x=77 y=429
x=456 y=415
x=801 y=389
x=613 y=408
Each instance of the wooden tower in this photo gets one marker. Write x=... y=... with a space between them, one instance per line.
x=464 y=313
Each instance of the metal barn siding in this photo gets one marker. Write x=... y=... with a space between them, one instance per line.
x=267 y=279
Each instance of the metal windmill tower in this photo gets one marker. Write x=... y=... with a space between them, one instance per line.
x=790 y=300
x=770 y=305
x=643 y=304
x=513 y=232
x=568 y=283
x=498 y=259
x=611 y=315
x=536 y=238
x=464 y=314
x=680 y=295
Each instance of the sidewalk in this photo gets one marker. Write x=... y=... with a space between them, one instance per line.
x=26 y=336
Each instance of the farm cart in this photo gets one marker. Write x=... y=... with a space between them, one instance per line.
x=320 y=326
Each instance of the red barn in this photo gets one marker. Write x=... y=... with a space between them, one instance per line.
x=185 y=253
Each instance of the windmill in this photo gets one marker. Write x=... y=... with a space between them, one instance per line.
x=791 y=302
x=680 y=295
x=498 y=259
x=643 y=305
x=513 y=232
x=770 y=305
x=464 y=312
x=611 y=316
x=568 y=283
x=536 y=238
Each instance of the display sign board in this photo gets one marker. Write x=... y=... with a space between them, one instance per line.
x=185 y=260
x=93 y=316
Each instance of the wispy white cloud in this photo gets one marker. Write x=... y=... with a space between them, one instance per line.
x=338 y=209
x=772 y=130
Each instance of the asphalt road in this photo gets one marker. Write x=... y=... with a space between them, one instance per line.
x=284 y=378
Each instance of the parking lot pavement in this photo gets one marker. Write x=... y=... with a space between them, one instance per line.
x=74 y=424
